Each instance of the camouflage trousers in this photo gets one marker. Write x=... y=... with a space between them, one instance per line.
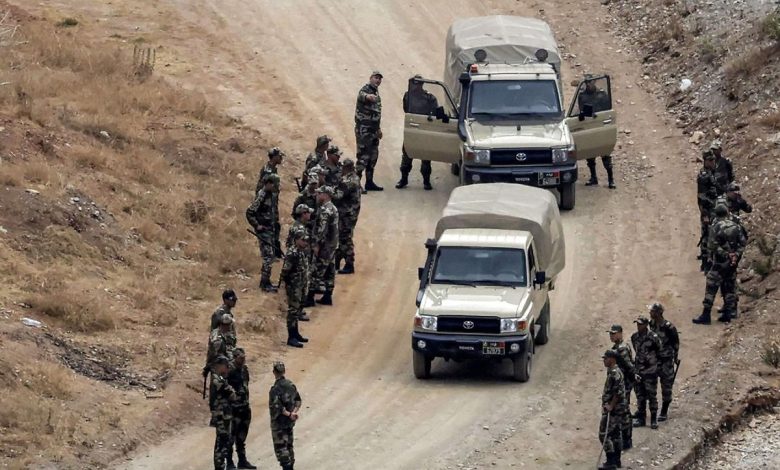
x=266 y=242
x=222 y=443
x=704 y=254
x=283 y=445
x=726 y=281
x=346 y=249
x=406 y=164
x=367 y=148
x=242 y=417
x=647 y=391
x=611 y=436
x=295 y=295
x=324 y=271
x=666 y=377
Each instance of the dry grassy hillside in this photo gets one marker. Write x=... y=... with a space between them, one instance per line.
x=122 y=202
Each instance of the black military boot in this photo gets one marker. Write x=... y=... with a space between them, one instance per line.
x=427 y=182
x=611 y=179
x=640 y=419
x=627 y=441
x=327 y=298
x=244 y=463
x=370 y=185
x=616 y=458
x=337 y=263
x=292 y=340
x=704 y=318
x=309 y=300
x=653 y=420
x=349 y=268
x=265 y=284
x=404 y=181
x=725 y=316
x=664 y=411
x=609 y=464
x=230 y=465
x=300 y=337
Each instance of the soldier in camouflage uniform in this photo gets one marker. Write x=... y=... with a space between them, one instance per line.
x=726 y=244
x=331 y=169
x=647 y=346
x=724 y=169
x=303 y=223
x=625 y=362
x=706 y=194
x=417 y=100
x=294 y=274
x=614 y=408
x=348 y=204
x=317 y=157
x=735 y=202
x=262 y=216
x=308 y=196
x=667 y=357
x=284 y=402
x=368 y=132
x=221 y=411
x=600 y=100
x=275 y=157
x=229 y=300
x=238 y=379
x=324 y=247
x=221 y=342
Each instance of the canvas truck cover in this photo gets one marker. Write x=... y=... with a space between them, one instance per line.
x=507 y=206
x=506 y=39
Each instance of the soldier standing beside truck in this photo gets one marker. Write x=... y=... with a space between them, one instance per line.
x=417 y=101
x=600 y=101
x=368 y=132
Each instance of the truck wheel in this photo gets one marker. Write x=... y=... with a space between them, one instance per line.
x=421 y=365
x=455 y=169
x=522 y=365
x=567 y=196
x=544 y=325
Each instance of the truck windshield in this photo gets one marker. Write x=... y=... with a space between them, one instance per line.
x=514 y=99
x=480 y=266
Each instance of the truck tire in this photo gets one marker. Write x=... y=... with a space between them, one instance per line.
x=543 y=336
x=455 y=169
x=421 y=365
x=567 y=196
x=521 y=365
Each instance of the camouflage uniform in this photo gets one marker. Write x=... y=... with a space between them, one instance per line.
x=312 y=159
x=294 y=273
x=736 y=205
x=216 y=318
x=332 y=172
x=283 y=396
x=670 y=345
x=222 y=418
x=348 y=204
x=706 y=195
x=611 y=436
x=262 y=213
x=271 y=169
x=220 y=344
x=418 y=102
x=723 y=173
x=308 y=197
x=647 y=347
x=726 y=238
x=238 y=379
x=326 y=236
x=368 y=117
x=625 y=363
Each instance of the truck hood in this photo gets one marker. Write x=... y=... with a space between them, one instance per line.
x=481 y=301
x=505 y=134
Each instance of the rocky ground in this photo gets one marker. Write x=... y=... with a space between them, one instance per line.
x=756 y=445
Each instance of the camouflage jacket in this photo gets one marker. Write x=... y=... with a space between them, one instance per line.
x=736 y=205
x=312 y=159
x=220 y=344
x=222 y=395
x=368 y=114
x=296 y=266
x=332 y=174
x=282 y=396
x=268 y=169
x=725 y=237
x=297 y=226
x=706 y=192
x=615 y=387
x=238 y=379
x=723 y=173
x=420 y=103
x=670 y=340
x=647 y=347
x=326 y=232
x=625 y=362
x=216 y=318
x=305 y=197
x=347 y=199
x=262 y=212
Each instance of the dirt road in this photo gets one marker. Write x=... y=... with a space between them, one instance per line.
x=293 y=69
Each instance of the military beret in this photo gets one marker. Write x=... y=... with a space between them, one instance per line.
x=376 y=73
x=278 y=367
x=302 y=208
x=221 y=360
x=348 y=162
x=271 y=178
x=642 y=320
x=226 y=319
x=322 y=140
x=239 y=352
x=615 y=329
x=732 y=187
x=325 y=190
x=334 y=150
x=276 y=151
x=715 y=145
x=229 y=294
x=610 y=353
x=657 y=307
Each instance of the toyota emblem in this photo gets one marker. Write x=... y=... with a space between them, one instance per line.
x=468 y=325
x=520 y=157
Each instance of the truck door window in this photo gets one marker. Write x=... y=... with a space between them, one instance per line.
x=514 y=98
x=595 y=92
x=424 y=97
x=480 y=266
x=531 y=260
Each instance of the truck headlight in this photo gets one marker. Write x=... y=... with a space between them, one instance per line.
x=476 y=156
x=513 y=325
x=563 y=154
x=425 y=322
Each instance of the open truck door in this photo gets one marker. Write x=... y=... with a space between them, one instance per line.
x=431 y=122
x=592 y=120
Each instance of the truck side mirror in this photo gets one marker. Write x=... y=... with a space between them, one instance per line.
x=541 y=277
x=586 y=111
x=420 y=273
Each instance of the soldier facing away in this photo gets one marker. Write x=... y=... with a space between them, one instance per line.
x=262 y=217
x=275 y=158
x=229 y=300
x=724 y=169
x=317 y=157
x=735 y=202
x=238 y=379
x=294 y=274
x=625 y=362
x=347 y=202
x=614 y=408
x=417 y=100
x=221 y=411
x=667 y=357
x=368 y=131
x=706 y=195
x=221 y=342
x=324 y=246
x=647 y=346
x=600 y=101
x=284 y=403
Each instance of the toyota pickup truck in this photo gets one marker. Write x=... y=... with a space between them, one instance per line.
x=484 y=288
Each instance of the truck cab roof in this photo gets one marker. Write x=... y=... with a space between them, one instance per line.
x=524 y=71
x=483 y=237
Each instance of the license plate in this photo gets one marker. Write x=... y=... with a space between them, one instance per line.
x=549 y=178
x=492 y=348
x=522 y=179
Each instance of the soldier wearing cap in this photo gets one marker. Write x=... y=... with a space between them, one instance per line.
x=647 y=346
x=332 y=168
x=325 y=243
x=294 y=274
x=614 y=408
x=667 y=356
x=368 y=131
x=625 y=362
x=229 y=300
x=599 y=100
x=347 y=201
x=222 y=396
x=724 y=169
x=238 y=379
x=417 y=100
x=221 y=341
x=262 y=217
x=275 y=157
x=284 y=403
x=735 y=202
x=317 y=157
x=301 y=223
x=308 y=195
x=706 y=195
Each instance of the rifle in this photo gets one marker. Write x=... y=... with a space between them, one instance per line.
x=299 y=184
x=606 y=431
x=206 y=371
x=676 y=368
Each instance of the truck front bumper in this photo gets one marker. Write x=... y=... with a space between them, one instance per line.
x=538 y=176
x=460 y=347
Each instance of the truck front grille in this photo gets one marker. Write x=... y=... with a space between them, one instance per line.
x=505 y=157
x=485 y=325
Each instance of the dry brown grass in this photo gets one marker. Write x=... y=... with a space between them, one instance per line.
x=773 y=121
x=76 y=310
x=37 y=172
x=750 y=63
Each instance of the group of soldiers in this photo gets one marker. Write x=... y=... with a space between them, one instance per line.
x=656 y=344
x=231 y=413
x=723 y=236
